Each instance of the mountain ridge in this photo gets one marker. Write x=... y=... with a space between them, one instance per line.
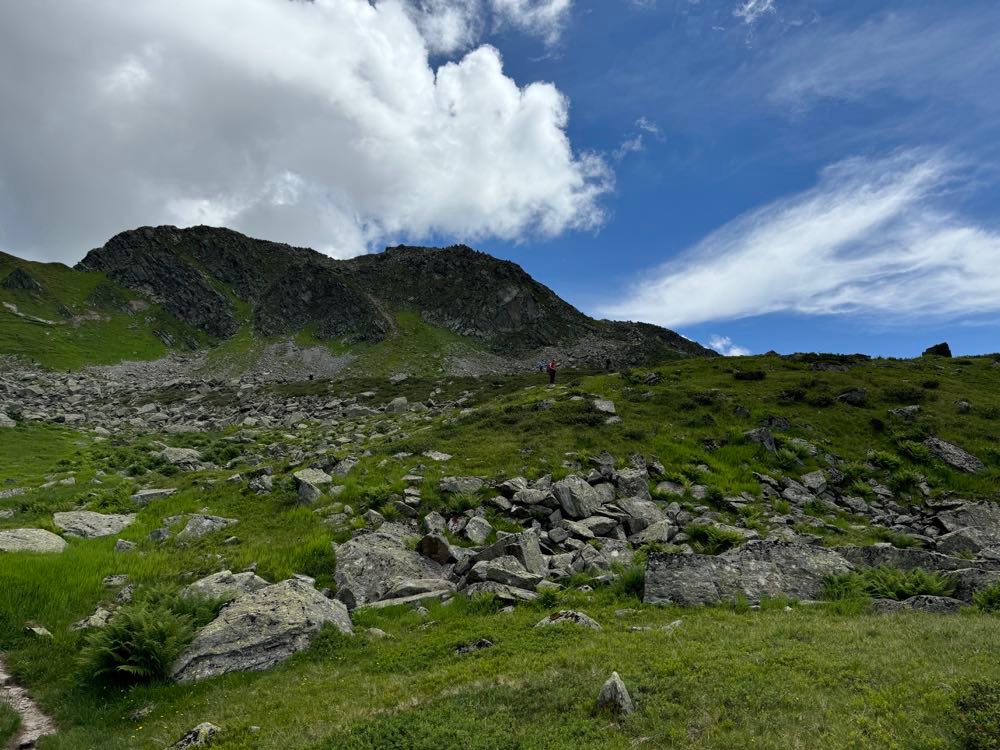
x=210 y=278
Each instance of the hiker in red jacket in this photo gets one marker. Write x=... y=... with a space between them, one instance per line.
x=551 y=368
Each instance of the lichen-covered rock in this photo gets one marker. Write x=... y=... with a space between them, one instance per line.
x=755 y=570
x=90 y=525
x=955 y=457
x=259 y=630
x=198 y=526
x=577 y=498
x=370 y=565
x=571 y=617
x=614 y=696
x=30 y=540
x=225 y=583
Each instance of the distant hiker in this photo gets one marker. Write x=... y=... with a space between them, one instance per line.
x=551 y=368
x=540 y=365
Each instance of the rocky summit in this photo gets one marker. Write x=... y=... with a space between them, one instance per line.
x=251 y=497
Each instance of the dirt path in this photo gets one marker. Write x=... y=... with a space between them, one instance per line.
x=34 y=724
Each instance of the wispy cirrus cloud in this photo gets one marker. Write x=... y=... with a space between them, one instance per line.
x=873 y=238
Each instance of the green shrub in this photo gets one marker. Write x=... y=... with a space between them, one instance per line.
x=631 y=581
x=884 y=460
x=988 y=599
x=931 y=384
x=905 y=479
x=711 y=540
x=143 y=639
x=749 y=374
x=916 y=452
x=887 y=583
x=978 y=713
x=903 y=394
x=139 y=644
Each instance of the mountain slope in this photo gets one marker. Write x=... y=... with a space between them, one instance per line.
x=216 y=280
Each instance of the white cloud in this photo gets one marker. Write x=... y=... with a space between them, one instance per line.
x=871 y=238
x=725 y=346
x=750 y=11
x=631 y=145
x=901 y=53
x=648 y=126
x=545 y=18
x=316 y=123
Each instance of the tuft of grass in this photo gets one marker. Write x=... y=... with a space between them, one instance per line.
x=10 y=721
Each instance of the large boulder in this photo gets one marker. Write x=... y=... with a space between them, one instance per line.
x=577 y=498
x=259 y=630
x=955 y=457
x=369 y=566
x=970 y=527
x=879 y=555
x=30 y=540
x=755 y=571
x=90 y=525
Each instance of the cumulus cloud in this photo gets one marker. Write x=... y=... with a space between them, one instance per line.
x=725 y=346
x=317 y=123
x=872 y=238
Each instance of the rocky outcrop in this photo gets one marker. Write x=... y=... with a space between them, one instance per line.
x=260 y=630
x=30 y=540
x=754 y=571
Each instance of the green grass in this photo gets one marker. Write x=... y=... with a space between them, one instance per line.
x=9 y=723
x=88 y=321
x=824 y=676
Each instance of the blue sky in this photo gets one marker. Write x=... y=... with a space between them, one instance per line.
x=749 y=115
x=796 y=175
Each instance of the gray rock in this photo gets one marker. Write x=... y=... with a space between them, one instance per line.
x=954 y=456
x=763 y=437
x=90 y=525
x=815 y=482
x=477 y=530
x=98 y=619
x=604 y=406
x=198 y=526
x=145 y=497
x=187 y=459
x=370 y=565
x=576 y=497
x=614 y=697
x=201 y=736
x=879 y=555
x=523 y=546
x=226 y=584
x=633 y=483
x=30 y=540
x=461 y=485
x=923 y=603
x=755 y=570
x=506 y=570
x=530 y=497
x=504 y=593
x=6 y=422
x=398 y=405
x=569 y=616
x=259 y=630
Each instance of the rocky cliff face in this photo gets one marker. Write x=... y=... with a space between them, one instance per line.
x=210 y=278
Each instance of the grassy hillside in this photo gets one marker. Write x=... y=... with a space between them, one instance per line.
x=78 y=318
x=782 y=676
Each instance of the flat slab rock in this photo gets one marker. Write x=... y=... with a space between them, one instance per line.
x=30 y=540
x=260 y=630
x=755 y=570
x=90 y=525
x=225 y=583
